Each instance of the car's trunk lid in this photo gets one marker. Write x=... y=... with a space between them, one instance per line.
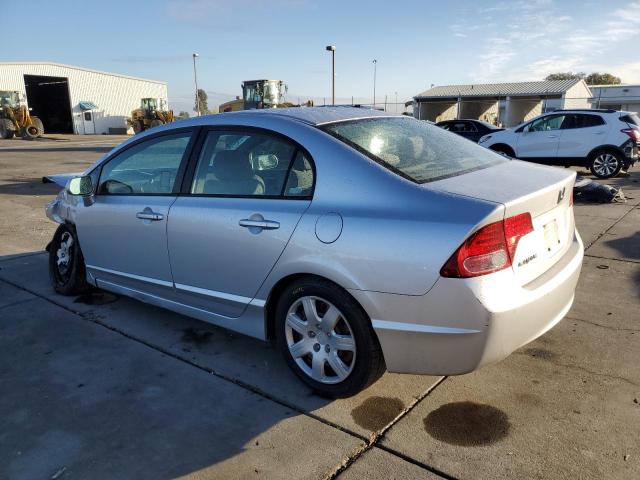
x=522 y=187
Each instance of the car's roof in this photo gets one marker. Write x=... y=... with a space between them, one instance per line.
x=315 y=115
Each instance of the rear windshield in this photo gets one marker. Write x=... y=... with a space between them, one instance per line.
x=413 y=149
x=631 y=118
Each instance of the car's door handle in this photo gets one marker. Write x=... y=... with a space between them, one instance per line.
x=553 y=136
x=149 y=215
x=598 y=133
x=263 y=224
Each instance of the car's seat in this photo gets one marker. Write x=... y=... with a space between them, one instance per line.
x=233 y=175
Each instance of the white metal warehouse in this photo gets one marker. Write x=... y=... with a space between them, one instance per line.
x=505 y=104
x=78 y=100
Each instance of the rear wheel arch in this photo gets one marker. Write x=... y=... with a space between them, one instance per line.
x=280 y=286
x=604 y=148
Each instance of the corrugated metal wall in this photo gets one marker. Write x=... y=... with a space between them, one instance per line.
x=115 y=95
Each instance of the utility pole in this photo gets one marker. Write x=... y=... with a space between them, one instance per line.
x=195 y=80
x=332 y=49
x=396 y=102
x=375 y=64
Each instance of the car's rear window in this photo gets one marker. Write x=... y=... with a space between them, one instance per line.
x=631 y=118
x=414 y=149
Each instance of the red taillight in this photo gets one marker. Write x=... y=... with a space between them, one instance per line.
x=633 y=133
x=488 y=250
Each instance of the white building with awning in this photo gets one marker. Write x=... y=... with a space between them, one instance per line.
x=506 y=104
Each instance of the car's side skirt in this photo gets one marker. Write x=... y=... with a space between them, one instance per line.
x=252 y=321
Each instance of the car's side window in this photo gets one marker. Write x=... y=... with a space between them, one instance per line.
x=251 y=164
x=547 y=123
x=148 y=168
x=300 y=180
x=586 y=121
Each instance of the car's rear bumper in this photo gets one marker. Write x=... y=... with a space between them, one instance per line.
x=463 y=324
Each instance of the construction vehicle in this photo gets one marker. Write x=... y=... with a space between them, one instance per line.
x=257 y=94
x=15 y=118
x=149 y=115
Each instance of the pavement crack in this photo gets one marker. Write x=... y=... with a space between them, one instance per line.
x=606 y=230
x=623 y=260
x=609 y=327
x=17 y=302
x=377 y=436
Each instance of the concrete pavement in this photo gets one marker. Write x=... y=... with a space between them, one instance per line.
x=100 y=386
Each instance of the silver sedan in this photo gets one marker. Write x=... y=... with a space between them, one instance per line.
x=359 y=241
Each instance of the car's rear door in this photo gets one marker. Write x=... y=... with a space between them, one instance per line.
x=539 y=140
x=579 y=135
x=243 y=196
x=123 y=233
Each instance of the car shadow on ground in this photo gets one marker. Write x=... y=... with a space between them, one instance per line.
x=99 y=376
x=28 y=186
x=159 y=399
x=57 y=149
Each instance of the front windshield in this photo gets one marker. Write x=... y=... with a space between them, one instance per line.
x=414 y=149
x=149 y=104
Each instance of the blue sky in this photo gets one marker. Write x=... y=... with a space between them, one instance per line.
x=416 y=43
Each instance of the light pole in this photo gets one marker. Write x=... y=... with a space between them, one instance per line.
x=195 y=80
x=332 y=49
x=375 y=64
x=396 y=102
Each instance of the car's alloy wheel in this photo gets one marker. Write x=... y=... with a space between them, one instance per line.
x=64 y=256
x=320 y=340
x=326 y=338
x=605 y=165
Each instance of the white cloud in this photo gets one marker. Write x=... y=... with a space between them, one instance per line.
x=537 y=40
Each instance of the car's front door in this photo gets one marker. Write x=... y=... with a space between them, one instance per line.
x=238 y=210
x=123 y=233
x=539 y=140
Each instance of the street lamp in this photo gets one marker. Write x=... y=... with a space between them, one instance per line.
x=375 y=64
x=332 y=49
x=195 y=80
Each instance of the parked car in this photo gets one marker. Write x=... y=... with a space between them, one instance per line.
x=605 y=141
x=470 y=129
x=358 y=240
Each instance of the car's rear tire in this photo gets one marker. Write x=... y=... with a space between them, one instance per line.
x=67 y=269
x=606 y=163
x=327 y=339
x=504 y=149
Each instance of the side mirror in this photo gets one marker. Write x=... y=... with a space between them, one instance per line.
x=83 y=187
x=526 y=129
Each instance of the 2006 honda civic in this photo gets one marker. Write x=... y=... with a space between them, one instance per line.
x=358 y=240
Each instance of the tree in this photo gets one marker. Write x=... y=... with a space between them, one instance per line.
x=597 y=78
x=565 y=76
x=594 y=78
x=202 y=103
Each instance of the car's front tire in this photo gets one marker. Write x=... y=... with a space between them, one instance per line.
x=66 y=264
x=327 y=339
x=606 y=163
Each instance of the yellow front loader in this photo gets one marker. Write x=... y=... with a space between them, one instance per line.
x=149 y=115
x=15 y=118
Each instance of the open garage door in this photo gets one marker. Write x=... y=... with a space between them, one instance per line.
x=48 y=98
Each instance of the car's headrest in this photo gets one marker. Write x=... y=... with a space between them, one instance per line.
x=231 y=165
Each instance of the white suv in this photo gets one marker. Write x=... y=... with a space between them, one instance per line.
x=605 y=141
